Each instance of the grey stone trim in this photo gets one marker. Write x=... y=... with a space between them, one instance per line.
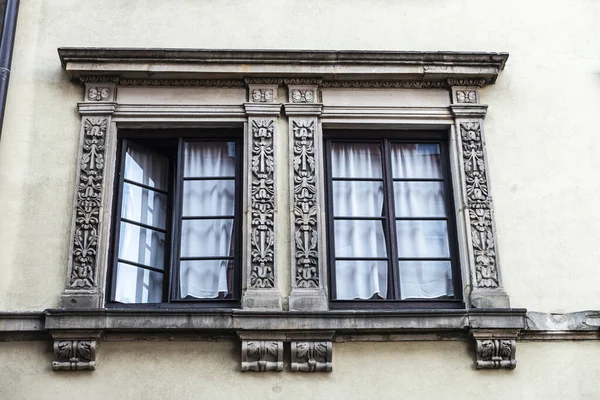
x=85 y=270
x=464 y=68
x=75 y=351
x=385 y=116
x=304 y=326
x=311 y=356
x=486 y=290
x=308 y=267
x=495 y=348
x=262 y=290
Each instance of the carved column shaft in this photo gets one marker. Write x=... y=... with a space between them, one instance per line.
x=477 y=207
x=308 y=275
x=84 y=273
x=262 y=290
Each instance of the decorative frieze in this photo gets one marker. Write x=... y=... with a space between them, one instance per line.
x=262 y=236
x=182 y=82
x=306 y=238
x=88 y=204
x=262 y=355
x=74 y=355
x=377 y=84
x=311 y=356
x=466 y=82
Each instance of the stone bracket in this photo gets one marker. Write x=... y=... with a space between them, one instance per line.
x=311 y=356
x=495 y=348
x=75 y=351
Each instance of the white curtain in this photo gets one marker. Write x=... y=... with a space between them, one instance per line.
x=358 y=238
x=365 y=238
x=137 y=244
x=207 y=237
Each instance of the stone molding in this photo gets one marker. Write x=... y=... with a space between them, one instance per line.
x=476 y=202
x=454 y=68
x=262 y=291
x=308 y=272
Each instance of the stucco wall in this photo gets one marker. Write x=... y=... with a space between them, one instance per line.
x=541 y=142
x=400 y=370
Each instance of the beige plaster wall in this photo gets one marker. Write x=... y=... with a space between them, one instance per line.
x=401 y=370
x=540 y=129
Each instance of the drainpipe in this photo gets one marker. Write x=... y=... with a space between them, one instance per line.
x=6 y=49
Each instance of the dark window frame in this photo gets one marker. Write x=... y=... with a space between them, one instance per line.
x=171 y=141
x=385 y=138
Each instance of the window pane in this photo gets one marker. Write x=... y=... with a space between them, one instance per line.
x=208 y=197
x=357 y=199
x=422 y=239
x=204 y=159
x=205 y=279
x=147 y=168
x=419 y=199
x=360 y=279
x=356 y=160
x=359 y=239
x=425 y=279
x=138 y=285
x=141 y=245
x=144 y=205
x=206 y=238
x=412 y=160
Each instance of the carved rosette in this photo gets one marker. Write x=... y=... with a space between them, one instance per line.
x=88 y=203
x=74 y=355
x=262 y=95
x=479 y=206
x=311 y=356
x=262 y=355
x=99 y=93
x=303 y=96
x=262 y=237
x=305 y=204
x=496 y=354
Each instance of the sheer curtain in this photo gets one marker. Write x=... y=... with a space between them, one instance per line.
x=357 y=175
x=358 y=238
x=203 y=235
x=421 y=197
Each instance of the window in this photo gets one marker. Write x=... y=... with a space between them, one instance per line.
x=391 y=228
x=177 y=218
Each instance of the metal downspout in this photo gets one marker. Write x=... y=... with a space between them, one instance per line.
x=6 y=49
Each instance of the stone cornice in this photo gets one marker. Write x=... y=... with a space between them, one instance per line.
x=229 y=67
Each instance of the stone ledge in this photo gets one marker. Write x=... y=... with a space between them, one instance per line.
x=346 y=325
x=198 y=64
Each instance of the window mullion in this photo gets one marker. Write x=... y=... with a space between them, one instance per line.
x=390 y=233
x=176 y=222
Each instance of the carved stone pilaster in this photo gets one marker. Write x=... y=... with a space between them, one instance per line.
x=311 y=356
x=84 y=272
x=262 y=355
x=477 y=210
x=308 y=275
x=74 y=351
x=262 y=291
x=495 y=349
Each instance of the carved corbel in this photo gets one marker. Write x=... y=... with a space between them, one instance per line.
x=85 y=271
x=262 y=290
x=75 y=351
x=311 y=356
x=261 y=351
x=477 y=211
x=308 y=275
x=495 y=348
